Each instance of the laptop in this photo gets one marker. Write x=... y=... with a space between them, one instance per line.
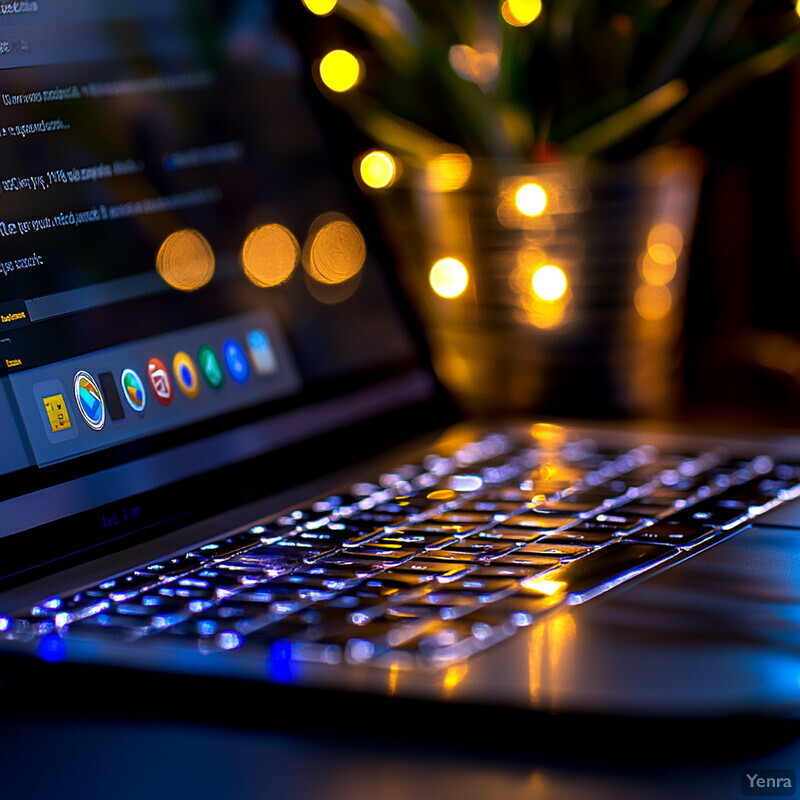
x=226 y=453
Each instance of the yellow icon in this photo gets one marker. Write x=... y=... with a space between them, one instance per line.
x=186 y=374
x=57 y=414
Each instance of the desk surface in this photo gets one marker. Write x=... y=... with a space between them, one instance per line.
x=87 y=757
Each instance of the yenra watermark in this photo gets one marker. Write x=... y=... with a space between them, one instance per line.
x=769 y=782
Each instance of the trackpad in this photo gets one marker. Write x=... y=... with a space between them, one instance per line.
x=717 y=634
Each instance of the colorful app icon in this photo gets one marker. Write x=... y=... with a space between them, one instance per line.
x=186 y=374
x=236 y=361
x=210 y=367
x=261 y=353
x=57 y=414
x=133 y=390
x=89 y=400
x=158 y=377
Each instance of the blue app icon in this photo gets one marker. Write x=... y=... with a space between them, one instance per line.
x=236 y=361
x=261 y=353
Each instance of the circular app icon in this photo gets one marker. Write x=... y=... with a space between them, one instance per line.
x=133 y=390
x=89 y=400
x=236 y=361
x=186 y=374
x=160 y=383
x=210 y=367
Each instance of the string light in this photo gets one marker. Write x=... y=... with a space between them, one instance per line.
x=449 y=278
x=531 y=199
x=339 y=70
x=549 y=283
x=378 y=169
x=520 y=13
x=320 y=7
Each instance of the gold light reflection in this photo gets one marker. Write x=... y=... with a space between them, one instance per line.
x=479 y=65
x=544 y=586
x=448 y=172
x=394 y=671
x=269 y=255
x=378 y=169
x=185 y=260
x=520 y=13
x=320 y=7
x=653 y=302
x=665 y=233
x=339 y=70
x=549 y=436
x=536 y=500
x=655 y=272
x=442 y=494
x=531 y=199
x=335 y=250
x=449 y=278
x=454 y=675
x=797 y=8
x=551 y=651
x=549 y=283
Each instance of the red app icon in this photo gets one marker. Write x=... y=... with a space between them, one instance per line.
x=159 y=380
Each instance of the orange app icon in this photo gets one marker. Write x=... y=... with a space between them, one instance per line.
x=186 y=374
x=158 y=377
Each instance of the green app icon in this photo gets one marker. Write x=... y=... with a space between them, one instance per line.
x=210 y=367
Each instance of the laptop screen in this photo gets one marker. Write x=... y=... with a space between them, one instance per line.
x=184 y=284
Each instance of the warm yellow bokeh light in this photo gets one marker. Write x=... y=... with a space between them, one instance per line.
x=320 y=7
x=449 y=277
x=378 y=169
x=662 y=253
x=549 y=283
x=185 y=260
x=531 y=199
x=269 y=255
x=339 y=70
x=653 y=302
x=668 y=234
x=448 y=172
x=797 y=8
x=481 y=65
x=335 y=251
x=656 y=272
x=521 y=12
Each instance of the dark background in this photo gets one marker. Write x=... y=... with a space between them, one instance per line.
x=742 y=345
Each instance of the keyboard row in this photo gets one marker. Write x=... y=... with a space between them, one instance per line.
x=432 y=562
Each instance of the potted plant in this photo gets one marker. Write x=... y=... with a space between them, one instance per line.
x=552 y=199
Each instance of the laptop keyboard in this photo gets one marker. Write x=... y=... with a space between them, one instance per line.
x=434 y=561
